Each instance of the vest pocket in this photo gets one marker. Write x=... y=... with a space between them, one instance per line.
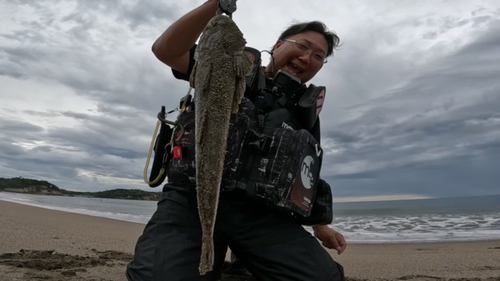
x=292 y=169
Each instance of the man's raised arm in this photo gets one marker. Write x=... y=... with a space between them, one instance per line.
x=172 y=47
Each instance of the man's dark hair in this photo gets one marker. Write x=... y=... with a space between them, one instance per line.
x=316 y=26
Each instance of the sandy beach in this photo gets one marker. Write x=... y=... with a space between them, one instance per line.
x=42 y=244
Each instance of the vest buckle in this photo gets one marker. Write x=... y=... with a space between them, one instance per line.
x=259 y=141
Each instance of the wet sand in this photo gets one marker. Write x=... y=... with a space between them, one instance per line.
x=41 y=244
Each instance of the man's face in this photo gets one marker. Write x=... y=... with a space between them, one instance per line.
x=301 y=55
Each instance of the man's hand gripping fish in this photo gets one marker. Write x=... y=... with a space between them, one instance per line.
x=218 y=78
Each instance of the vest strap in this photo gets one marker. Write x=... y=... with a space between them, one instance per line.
x=259 y=141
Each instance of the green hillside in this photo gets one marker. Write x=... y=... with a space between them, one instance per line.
x=33 y=186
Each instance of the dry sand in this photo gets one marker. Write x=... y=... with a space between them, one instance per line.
x=41 y=244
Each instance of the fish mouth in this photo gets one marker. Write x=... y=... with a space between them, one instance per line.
x=294 y=69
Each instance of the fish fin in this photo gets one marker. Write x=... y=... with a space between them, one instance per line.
x=239 y=92
x=242 y=64
x=242 y=67
x=200 y=130
x=193 y=74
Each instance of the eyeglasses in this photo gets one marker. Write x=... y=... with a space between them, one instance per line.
x=307 y=50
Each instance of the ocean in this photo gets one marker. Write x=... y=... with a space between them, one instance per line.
x=422 y=220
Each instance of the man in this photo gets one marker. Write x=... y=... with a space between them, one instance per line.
x=271 y=244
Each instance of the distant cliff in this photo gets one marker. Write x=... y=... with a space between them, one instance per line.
x=32 y=186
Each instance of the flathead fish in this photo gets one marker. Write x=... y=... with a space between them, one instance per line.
x=218 y=78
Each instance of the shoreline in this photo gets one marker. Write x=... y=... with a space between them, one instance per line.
x=73 y=212
x=350 y=242
x=91 y=247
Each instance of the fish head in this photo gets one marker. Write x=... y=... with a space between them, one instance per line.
x=222 y=34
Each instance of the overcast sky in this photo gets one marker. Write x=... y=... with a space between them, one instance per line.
x=412 y=105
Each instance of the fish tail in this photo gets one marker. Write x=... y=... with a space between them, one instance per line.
x=207 y=255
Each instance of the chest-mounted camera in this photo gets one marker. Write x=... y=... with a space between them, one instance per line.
x=285 y=83
x=291 y=92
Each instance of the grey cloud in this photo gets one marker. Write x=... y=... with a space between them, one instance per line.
x=127 y=88
x=363 y=69
x=96 y=143
x=343 y=137
x=133 y=13
x=148 y=12
x=104 y=135
x=7 y=149
x=437 y=134
x=43 y=149
x=30 y=165
x=13 y=126
x=41 y=113
x=46 y=48
x=457 y=176
x=133 y=84
x=69 y=150
x=449 y=23
x=77 y=115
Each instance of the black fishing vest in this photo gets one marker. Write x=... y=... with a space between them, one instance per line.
x=271 y=154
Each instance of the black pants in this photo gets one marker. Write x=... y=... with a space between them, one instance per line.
x=270 y=244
